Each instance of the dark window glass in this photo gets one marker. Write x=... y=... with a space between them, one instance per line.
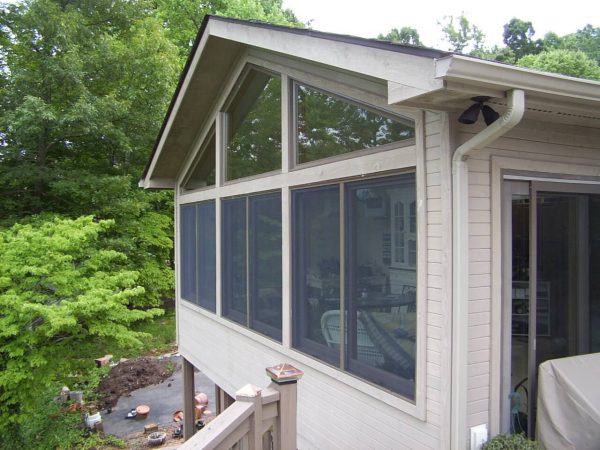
x=380 y=297
x=234 y=260
x=265 y=264
x=254 y=126
x=203 y=169
x=206 y=255
x=187 y=260
x=316 y=280
x=328 y=125
x=252 y=262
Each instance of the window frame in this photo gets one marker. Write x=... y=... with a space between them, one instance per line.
x=295 y=153
x=379 y=161
x=223 y=123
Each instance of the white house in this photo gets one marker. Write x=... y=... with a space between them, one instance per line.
x=316 y=173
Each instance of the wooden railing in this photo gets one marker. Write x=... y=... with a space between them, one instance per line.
x=260 y=418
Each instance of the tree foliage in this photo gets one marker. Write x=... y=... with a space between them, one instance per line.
x=462 y=34
x=566 y=62
x=62 y=290
x=406 y=35
x=518 y=37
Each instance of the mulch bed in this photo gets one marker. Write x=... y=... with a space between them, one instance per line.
x=130 y=375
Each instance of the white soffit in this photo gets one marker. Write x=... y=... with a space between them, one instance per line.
x=464 y=77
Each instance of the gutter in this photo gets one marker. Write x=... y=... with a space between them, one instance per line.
x=460 y=259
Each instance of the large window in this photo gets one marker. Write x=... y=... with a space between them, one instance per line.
x=197 y=244
x=374 y=336
x=252 y=262
x=327 y=125
x=253 y=126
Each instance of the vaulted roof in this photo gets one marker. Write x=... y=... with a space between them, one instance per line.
x=415 y=77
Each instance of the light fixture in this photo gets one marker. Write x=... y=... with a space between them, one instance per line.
x=470 y=115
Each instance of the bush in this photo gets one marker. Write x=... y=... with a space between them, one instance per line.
x=511 y=442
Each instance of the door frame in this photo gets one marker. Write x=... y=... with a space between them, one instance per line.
x=528 y=186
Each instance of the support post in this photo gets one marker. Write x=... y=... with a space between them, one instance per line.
x=252 y=394
x=285 y=380
x=189 y=426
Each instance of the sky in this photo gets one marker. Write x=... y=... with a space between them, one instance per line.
x=368 y=18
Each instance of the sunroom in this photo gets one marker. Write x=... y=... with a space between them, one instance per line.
x=331 y=212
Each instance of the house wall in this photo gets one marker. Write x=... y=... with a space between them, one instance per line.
x=337 y=410
x=534 y=146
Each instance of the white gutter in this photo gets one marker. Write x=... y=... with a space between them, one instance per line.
x=460 y=259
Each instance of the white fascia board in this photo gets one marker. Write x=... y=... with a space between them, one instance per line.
x=411 y=70
x=147 y=181
x=157 y=183
x=497 y=75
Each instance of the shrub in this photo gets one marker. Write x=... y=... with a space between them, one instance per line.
x=511 y=442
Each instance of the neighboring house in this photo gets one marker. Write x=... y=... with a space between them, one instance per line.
x=316 y=173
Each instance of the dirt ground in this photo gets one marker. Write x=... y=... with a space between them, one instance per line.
x=130 y=375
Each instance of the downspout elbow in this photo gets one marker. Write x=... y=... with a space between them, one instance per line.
x=512 y=116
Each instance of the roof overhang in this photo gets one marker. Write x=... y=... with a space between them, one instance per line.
x=463 y=77
x=416 y=77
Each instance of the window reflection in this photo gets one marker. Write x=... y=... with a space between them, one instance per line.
x=328 y=125
x=254 y=126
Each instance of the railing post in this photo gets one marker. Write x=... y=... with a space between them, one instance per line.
x=251 y=394
x=189 y=425
x=285 y=379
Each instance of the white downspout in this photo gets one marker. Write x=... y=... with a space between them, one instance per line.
x=460 y=259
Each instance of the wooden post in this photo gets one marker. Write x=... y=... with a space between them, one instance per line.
x=285 y=380
x=189 y=425
x=252 y=394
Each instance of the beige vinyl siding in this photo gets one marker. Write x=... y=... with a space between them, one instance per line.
x=231 y=358
x=530 y=140
x=439 y=274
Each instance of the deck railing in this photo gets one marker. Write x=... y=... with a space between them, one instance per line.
x=260 y=418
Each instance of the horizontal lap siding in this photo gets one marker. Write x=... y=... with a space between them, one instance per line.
x=529 y=140
x=438 y=273
x=324 y=403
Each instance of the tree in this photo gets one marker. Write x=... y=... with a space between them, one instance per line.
x=406 y=35
x=466 y=35
x=586 y=40
x=518 y=36
x=86 y=87
x=566 y=62
x=63 y=292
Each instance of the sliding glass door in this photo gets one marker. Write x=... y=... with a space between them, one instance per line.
x=551 y=296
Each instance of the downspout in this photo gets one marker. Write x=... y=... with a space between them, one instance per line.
x=460 y=259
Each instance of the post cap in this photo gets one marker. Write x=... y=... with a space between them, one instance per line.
x=284 y=373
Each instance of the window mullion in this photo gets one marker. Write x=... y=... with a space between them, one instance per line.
x=248 y=310
x=342 y=278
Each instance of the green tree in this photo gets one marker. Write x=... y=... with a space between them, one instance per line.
x=406 y=35
x=518 y=36
x=567 y=62
x=586 y=40
x=63 y=294
x=86 y=86
x=462 y=35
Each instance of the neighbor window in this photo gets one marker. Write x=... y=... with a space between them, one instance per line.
x=252 y=262
x=198 y=254
x=327 y=125
x=253 y=126
x=375 y=336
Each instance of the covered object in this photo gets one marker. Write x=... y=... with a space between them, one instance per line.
x=569 y=403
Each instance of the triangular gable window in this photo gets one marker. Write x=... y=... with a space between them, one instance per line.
x=202 y=171
x=327 y=125
x=253 y=125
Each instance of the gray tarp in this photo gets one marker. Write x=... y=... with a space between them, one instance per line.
x=568 y=405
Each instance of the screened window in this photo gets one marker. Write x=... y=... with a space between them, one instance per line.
x=202 y=172
x=327 y=125
x=252 y=262
x=375 y=335
x=198 y=254
x=254 y=126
